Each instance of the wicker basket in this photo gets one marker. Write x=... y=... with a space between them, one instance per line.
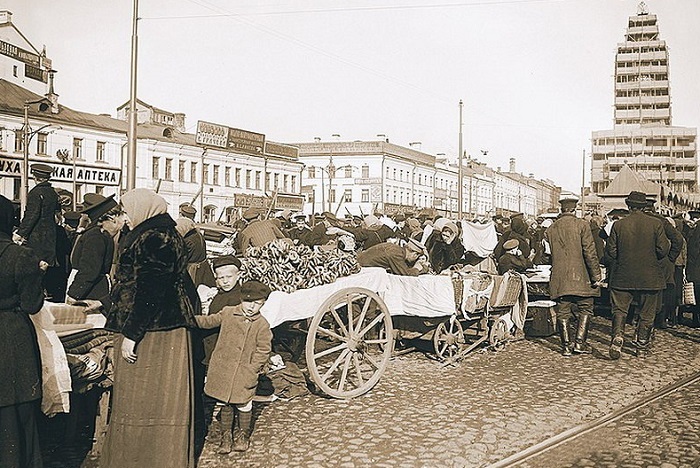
x=506 y=290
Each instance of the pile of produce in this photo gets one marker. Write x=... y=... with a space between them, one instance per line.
x=286 y=267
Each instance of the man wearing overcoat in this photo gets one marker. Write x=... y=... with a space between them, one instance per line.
x=575 y=276
x=636 y=247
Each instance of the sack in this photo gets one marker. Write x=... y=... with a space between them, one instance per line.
x=688 y=297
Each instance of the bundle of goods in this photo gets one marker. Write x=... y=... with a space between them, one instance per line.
x=472 y=291
x=286 y=267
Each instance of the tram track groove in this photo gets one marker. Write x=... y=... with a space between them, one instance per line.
x=585 y=428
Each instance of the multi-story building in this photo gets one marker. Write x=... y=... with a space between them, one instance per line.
x=21 y=63
x=643 y=136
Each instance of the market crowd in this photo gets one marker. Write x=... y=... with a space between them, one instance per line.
x=188 y=330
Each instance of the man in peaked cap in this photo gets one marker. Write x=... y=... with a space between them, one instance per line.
x=38 y=227
x=633 y=252
x=575 y=277
x=258 y=232
x=187 y=211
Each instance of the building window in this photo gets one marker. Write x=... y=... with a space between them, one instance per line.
x=41 y=143
x=227 y=176
x=348 y=172
x=77 y=148
x=216 y=175
x=347 y=195
x=277 y=181
x=365 y=171
x=267 y=181
x=19 y=141
x=312 y=172
x=181 y=171
x=100 y=153
x=155 y=168
x=193 y=172
x=331 y=196
x=205 y=173
x=286 y=183
x=168 y=169
x=14 y=70
x=238 y=177
x=293 y=188
x=394 y=175
x=365 y=196
x=247 y=178
x=258 y=176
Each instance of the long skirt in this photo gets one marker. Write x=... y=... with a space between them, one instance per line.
x=19 y=436
x=151 y=421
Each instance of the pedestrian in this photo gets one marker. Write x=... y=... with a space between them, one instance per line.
x=635 y=248
x=153 y=308
x=575 y=277
x=197 y=264
x=186 y=210
x=38 y=227
x=512 y=258
x=447 y=250
x=238 y=359
x=409 y=260
x=258 y=232
x=20 y=365
x=92 y=255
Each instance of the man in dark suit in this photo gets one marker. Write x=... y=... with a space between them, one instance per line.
x=635 y=250
x=38 y=227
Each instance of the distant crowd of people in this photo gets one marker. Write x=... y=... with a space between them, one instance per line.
x=140 y=267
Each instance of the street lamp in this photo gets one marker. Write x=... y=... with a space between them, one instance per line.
x=27 y=135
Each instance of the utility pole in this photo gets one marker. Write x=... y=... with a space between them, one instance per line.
x=131 y=149
x=460 y=194
x=583 y=185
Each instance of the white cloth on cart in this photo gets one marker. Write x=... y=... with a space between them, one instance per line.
x=421 y=296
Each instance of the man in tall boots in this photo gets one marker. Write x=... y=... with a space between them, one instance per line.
x=635 y=250
x=575 y=276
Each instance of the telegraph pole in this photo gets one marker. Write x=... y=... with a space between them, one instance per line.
x=131 y=149
x=459 y=171
x=583 y=185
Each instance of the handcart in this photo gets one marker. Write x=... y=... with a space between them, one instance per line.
x=350 y=334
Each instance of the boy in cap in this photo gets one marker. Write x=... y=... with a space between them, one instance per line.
x=238 y=359
x=513 y=258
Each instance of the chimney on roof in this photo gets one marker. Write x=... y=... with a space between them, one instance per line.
x=511 y=165
x=51 y=95
x=416 y=145
x=5 y=17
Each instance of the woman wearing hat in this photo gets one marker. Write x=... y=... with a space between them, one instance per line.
x=153 y=309
x=20 y=366
x=93 y=253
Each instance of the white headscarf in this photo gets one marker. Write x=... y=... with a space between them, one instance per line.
x=141 y=204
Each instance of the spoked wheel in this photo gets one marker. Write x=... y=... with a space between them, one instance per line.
x=448 y=338
x=499 y=334
x=350 y=342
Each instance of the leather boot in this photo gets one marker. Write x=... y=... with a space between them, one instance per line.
x=644 y=341
x=580 y=345
x=226 y=444
x=618 y=334
x=242 y=442
x=226 y=425
x=563 y=328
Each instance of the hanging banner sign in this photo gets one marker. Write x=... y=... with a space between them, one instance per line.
x=209 y=134
x=243 y=141
x=277 y=149
x=19 y=54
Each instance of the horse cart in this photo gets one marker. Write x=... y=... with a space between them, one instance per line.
x=350 y=323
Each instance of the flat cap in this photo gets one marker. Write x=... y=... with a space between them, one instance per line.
x=187 y=210
x=568 y=198
x=254 y=291
x=225 y=260
x=251 y=213
x=329 y=216
x=510 y=244
x=41 y=169
x=100 y=206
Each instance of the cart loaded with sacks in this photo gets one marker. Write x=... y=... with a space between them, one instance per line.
x=352 y=323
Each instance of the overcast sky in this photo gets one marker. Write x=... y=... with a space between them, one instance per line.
x=536 y=76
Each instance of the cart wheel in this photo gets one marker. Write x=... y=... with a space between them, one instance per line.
x=498 y=334
x=448 y=338
x=349 y=343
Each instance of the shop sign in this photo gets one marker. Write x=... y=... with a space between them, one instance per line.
x=440 y=193
x=64 y=172
x=394 y=208
x=368 y=181
x=243 y=141
x=209 y=134
x=20 y=54
x=289 y=202
x=375 y=193
x=34 y=73
x=277 y=149
x=244 y=200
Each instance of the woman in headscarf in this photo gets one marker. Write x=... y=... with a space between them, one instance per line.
x=447 y=250
x=151 y=421
x=20 y=365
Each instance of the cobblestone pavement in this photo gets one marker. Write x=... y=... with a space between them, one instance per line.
x=662 y=434
x=490 y=406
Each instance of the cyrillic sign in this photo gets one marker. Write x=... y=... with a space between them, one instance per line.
x=234 y=139
x=19 y=54
x=277 y=149
x=64 y=172
x=209 y=134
